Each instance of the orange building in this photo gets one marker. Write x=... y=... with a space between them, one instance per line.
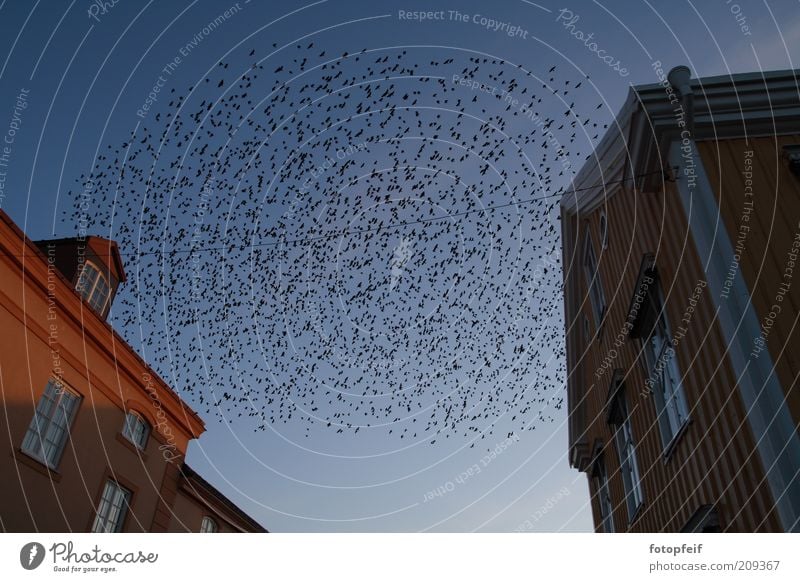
x=681 y=238
x=94 y=440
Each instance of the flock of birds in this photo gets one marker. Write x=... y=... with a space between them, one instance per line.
x=354 y=242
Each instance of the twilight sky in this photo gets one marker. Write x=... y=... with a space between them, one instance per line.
x=357 y=331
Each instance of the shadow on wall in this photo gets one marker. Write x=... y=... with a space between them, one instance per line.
x=65 y=498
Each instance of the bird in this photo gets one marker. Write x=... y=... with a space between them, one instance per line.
x=357 y=245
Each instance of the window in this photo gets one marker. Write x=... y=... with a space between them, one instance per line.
x=604 y=496
x=47 y=434
x=113 y=508
x=593 y=282
x=792 y=155
x=136 y=429
x=620 y=420
x=93 y=287
x=705 y=519
x=603 y=230
x=208 y=525
x=661 y=366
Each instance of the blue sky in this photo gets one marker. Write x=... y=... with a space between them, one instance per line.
x=87 y=78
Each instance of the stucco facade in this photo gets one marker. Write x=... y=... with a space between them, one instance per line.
x=56 y=346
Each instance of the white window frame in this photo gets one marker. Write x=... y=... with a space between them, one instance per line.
x=662 y=370
x=114 y=504
x=50 y=426
x=136 y=429
x=628 y=461
x=98 y=290
x=594 y=283
x=209 y=525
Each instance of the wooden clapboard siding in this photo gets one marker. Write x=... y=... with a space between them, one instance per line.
x=716 y=460
x=775 y=221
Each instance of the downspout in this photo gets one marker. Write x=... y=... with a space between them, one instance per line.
x=680 y=78
x=762 y=395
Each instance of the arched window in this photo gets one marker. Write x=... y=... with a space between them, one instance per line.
x=603 y=230
x=208 y=525
x=136 y=429
x=93 y=287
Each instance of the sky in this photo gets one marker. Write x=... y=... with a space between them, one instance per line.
x=90 y=73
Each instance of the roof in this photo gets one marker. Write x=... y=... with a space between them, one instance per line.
x=636 y=146
x=634 y=152
x=29 y=250
x=96 y=242
x=195 y=482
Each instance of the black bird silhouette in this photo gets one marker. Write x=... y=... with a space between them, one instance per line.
x=357 y=244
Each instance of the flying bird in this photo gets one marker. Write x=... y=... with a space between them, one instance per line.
x=357 y=245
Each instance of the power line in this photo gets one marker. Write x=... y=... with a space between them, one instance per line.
x=357 y=232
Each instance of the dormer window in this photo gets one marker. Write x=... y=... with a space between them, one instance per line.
x=93 y=265
x=208 y=525
x=93 y=287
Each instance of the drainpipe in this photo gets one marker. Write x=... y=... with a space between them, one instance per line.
x=680 y=78
x=771 y=423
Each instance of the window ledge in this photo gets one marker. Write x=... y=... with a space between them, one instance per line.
x=37 y=465
x=133 y=448
x=672 y=445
